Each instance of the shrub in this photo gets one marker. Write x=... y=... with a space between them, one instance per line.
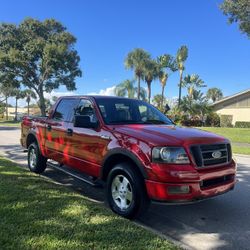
x=240 y=124
x=213 y=120
x=226 y=121
x=192 y=122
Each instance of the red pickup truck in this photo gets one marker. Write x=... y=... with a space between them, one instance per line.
x=129 y=145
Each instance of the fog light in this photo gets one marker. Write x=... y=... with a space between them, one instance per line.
x=178 y=189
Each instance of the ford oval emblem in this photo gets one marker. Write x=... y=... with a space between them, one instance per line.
x=216 y=154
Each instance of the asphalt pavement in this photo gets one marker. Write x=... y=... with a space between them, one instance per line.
x=219 y=223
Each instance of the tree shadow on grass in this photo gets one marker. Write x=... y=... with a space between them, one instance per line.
x=37 y=214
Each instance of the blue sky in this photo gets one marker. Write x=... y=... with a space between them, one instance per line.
x=107 y=30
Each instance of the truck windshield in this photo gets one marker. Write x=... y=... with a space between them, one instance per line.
x=128 y=111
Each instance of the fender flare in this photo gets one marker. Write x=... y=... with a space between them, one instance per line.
x=126 y=153
x=32 y=133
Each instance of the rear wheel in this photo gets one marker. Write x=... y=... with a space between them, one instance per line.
x=36 y=161
x=126 y=193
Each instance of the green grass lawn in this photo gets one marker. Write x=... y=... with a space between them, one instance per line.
x=10 y=123
x=38 y=214
x=241 y=150
x=235 y=135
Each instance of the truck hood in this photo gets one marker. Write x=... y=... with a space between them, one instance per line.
x=168 y=134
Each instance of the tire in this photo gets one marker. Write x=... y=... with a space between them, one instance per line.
x=126 y=192
x=36 y=161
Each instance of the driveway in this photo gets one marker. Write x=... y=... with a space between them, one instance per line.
x=219 y=223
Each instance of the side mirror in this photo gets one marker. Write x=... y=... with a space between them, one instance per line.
x=84 y=121
x=167 y=108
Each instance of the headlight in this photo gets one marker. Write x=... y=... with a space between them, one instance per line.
x=176 y=155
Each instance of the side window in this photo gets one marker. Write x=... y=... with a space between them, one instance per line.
x=65 y=110
x=85 y=107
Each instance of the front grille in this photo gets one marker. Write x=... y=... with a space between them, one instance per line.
x=211 y=154
x=216 y=181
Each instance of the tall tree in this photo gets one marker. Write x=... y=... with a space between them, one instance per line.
x=41 y=55
x=126 y=88
x=192 y=82
x=238 y=11
x=143 y=93
x=18 y=94
x=214 y=94
x=7 y=89
x=167 y=65
x=29 y=95
x=151 y=72
x=136 y=60
x=195 y=105
x=157 y=101
x=181 y=57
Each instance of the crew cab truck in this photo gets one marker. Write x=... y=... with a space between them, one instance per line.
x=137 y=151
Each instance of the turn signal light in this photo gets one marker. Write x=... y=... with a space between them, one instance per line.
x=178 y=189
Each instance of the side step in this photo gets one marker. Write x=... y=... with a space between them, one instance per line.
x=76 y=174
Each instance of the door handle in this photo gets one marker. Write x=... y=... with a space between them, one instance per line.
x=70 y=131
x=106 y=137
x=49 y=127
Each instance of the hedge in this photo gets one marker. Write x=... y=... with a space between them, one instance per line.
x=226 y=121
x=240 y=124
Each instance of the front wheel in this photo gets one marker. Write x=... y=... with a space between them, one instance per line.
x=36 y=161
x=126 y=193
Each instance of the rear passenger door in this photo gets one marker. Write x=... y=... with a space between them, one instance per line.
x=57 y=129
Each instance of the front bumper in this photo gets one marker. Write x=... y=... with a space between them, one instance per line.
x=205 y=184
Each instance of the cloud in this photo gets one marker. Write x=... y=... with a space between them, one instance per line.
x=108 y=91
x=23 y=103
x=58 y=94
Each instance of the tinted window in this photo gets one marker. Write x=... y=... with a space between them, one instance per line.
x=127 y=111
x=85 y=107
x=65 y=110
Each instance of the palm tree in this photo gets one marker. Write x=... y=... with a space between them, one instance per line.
x=191 y=82
x=19 y=94
x=126 y=88
x=7 y=91
x=167 y=65
x=163 y=77
x=195 y=105
x=136 y=60
x=29 y=94
x=143 y=93
x=214 y=94
x=151 y=72
x=157 y=101
x=181 y=57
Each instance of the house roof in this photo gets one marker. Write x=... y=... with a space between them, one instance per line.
x=232 y=96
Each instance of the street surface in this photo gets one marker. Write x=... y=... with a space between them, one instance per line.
x=219 y=223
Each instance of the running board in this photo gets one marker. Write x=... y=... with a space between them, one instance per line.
x=76 y=174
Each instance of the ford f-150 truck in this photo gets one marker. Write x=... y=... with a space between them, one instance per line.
x=135 y=150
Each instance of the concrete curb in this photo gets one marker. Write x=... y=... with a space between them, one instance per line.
x=163 y=236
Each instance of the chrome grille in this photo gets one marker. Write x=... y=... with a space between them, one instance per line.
x=211 y=154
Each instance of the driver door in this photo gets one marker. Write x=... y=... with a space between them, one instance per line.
x=87 y=145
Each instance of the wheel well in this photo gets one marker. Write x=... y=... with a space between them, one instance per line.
x=116 y=159
x=30 y=139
